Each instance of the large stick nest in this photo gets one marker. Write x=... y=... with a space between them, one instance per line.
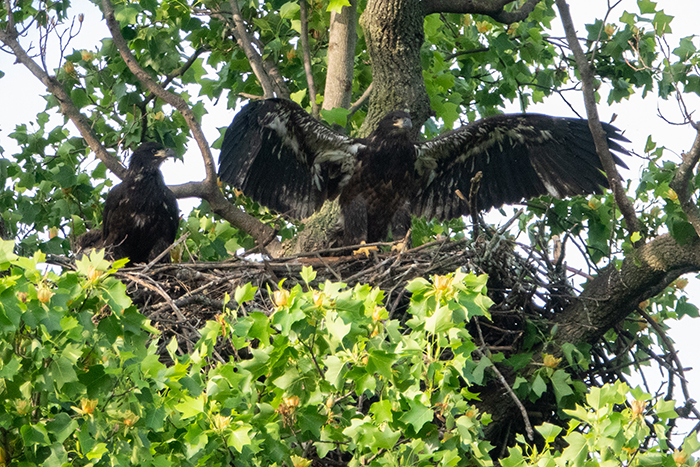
x=180 y=298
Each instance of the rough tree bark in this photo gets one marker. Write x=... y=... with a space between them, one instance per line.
x=394 y=35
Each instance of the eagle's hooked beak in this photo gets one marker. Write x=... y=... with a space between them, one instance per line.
x=165 y=153
x=404 y=123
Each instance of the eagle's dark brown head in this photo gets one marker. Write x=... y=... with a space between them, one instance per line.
x=394 y=124
x=149 y=156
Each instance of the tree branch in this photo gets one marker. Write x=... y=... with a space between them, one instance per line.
x=306 y=53
x=360 y=102
x=681 y=183
x=492 y=8
x=599 y=136
x=66 y=105
x=245 y=43
x=342 y=38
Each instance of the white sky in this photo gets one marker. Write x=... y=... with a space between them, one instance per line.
x=20 y=101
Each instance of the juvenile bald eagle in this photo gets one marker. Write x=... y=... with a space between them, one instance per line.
x=280 y=156
x=141 y=216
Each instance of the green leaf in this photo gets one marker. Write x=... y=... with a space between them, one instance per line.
x=337 y=116
x=7 y=254
x=244 y=293
x=288 y=378
x=334 y=371
x=440 y=321
x=337 y=5
x=190 y=406
x=662 y=23
x=298 y=96
x=666 y=409
x=384 y=438
x=381 y=362
x=289 y=10
x=539 y=386
x=308 y=274
x=646 y=6
x=418 y=414
x=96 y=381
x=337 y=327
x=63 y=372
x=549 y=432
x=35 y=434
x=239 y=437
x=96 y=453
x=561 y=381
x=126 y=13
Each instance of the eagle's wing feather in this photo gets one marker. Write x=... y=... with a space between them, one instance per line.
x=520 y=156
x=283 y=158
x=112 y=212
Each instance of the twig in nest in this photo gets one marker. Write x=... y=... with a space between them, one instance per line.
x=674 y=355
x=506 y=386
x=330 y=269
x=165 y=252
x=473 y=211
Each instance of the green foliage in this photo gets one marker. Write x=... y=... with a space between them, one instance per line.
x=332 y=370
x=329 y=370
x=609 y=429
x=81 y=381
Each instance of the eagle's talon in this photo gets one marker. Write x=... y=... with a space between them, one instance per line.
x=400 y=246
x=365 y=250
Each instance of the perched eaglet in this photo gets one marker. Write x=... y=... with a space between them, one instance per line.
x=141 y=216
x=283 y=158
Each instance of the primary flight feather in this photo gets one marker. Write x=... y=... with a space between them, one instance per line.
x=283 y=158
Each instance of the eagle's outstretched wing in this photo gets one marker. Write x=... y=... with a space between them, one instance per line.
x=520 y=156
x=283 y=158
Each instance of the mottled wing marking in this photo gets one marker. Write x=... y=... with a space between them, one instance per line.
x=280 y=156
x=520 y=156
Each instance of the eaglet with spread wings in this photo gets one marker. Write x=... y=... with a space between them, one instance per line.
x=283 y=158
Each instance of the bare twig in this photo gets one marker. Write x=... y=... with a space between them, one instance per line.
x=166 y=252
x=363 y=98
x=526 y=419
x=306 y=53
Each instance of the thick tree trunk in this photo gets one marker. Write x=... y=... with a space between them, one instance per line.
x=394 y=35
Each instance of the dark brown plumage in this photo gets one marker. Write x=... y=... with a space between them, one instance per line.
x=141 y=216
x=277 y=154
